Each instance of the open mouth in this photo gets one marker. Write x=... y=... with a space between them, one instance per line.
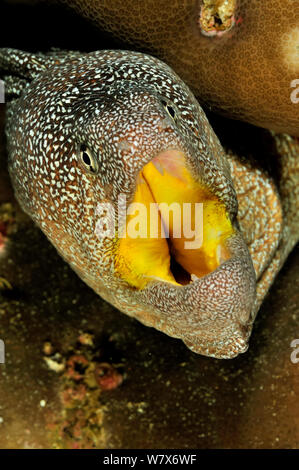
x=175 y=229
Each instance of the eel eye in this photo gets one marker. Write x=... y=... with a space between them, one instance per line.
x=88 y=160
x=169 y=109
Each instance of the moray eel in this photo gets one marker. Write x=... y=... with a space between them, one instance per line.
x=90 y=134
x=240 y=57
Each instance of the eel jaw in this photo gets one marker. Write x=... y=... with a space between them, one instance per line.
x=214 y=315
x=204 y=296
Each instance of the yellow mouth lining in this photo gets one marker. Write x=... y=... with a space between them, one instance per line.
x=166 y=200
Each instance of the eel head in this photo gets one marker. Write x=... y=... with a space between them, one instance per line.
x=113 y=157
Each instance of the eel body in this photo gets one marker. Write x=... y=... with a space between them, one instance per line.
x=90 y=134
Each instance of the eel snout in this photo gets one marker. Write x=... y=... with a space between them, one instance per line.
x=212 y=314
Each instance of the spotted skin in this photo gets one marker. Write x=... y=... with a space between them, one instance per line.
x=268 y=207
x=111 y=101
x=287 y=182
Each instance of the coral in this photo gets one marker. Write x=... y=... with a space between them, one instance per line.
x=244 y=68
x=82 y=381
